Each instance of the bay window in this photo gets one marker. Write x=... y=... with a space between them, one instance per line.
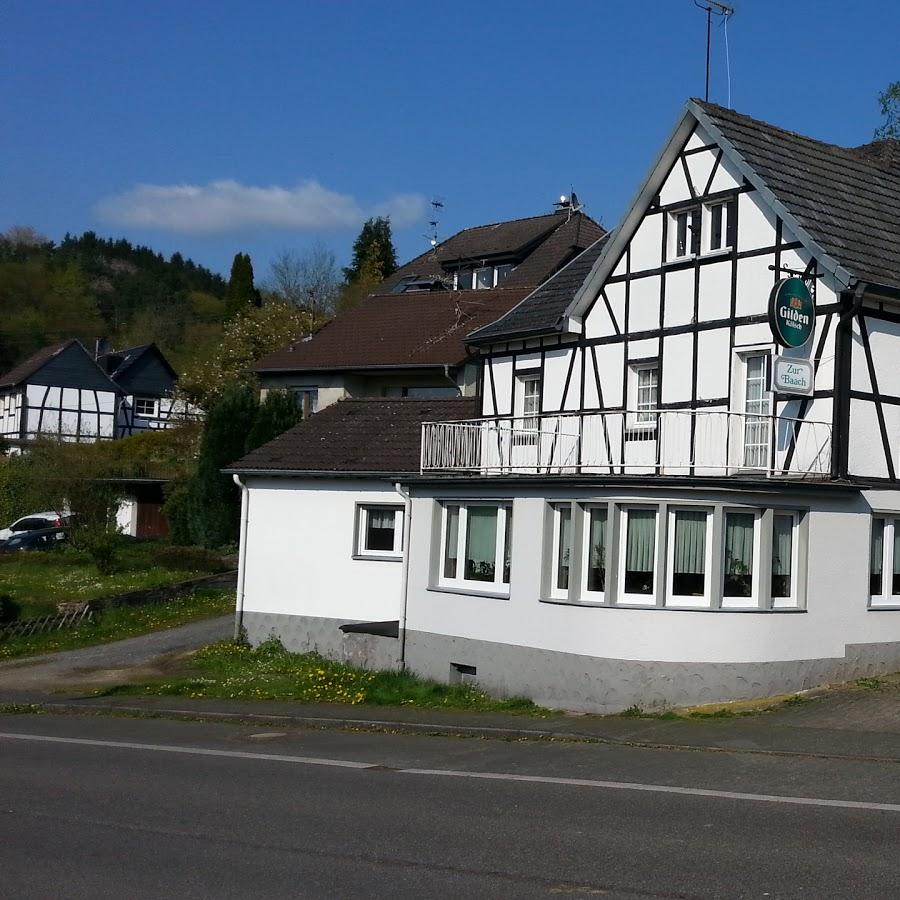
x=783 y=585
x=739 y=560
x=637 y=566
x=596 y=550
x=562 y=549
x=884 y=562
x=476 y=545
x=689 y=557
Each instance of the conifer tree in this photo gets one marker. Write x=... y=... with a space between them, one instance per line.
x=241 y=293
x=374 y=256
x=277 y=413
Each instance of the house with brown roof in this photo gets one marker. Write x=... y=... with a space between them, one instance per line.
x=682 y=481
x=408 y=338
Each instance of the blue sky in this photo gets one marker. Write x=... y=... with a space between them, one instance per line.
x=215 y=127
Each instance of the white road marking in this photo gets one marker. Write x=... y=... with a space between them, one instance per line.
x=451 y=773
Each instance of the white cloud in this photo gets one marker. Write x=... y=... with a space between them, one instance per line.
x=223 y=206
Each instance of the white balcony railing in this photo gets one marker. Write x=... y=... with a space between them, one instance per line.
x=666 y=442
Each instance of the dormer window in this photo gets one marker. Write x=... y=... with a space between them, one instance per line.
x=503 y=272
x=482 y=277
x=463 y=280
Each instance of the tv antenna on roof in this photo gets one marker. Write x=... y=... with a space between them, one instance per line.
x=570 y=204
x=714 y=8
x=433 y=223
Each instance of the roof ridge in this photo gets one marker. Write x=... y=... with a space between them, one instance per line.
x=558 y=212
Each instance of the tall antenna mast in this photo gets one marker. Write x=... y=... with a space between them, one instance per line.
x=712 y=8
x=432 y=235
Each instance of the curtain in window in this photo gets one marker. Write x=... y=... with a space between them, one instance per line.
x=507 y=545
x=895 y=581
x=564 y=550
x=380 y=529
x=641 y=540
x=597 y=537
x=481 y=543
x=782 y=544
x=690 y=542
x=876 y=559
x=739 y=543
x=452 y=542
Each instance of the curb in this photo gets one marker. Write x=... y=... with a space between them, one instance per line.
x=387 y=726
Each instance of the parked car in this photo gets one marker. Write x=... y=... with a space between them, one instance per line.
x=34 y=522
x=40 y=539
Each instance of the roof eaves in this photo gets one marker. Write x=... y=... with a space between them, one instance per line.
x=317 y=473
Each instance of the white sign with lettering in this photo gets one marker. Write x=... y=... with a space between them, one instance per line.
x=793 y=376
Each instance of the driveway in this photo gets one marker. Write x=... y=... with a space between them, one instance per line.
x=105 y=664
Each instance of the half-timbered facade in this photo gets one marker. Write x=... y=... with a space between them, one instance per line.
x=59 y=392
x=682 y=482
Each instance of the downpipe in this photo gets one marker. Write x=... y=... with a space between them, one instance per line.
x=242 y=558
x=404 y=580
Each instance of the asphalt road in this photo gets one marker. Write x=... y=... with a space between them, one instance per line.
x=107 y=807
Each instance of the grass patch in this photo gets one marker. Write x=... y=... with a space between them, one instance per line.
x=125 y=621
x=37 y=581
x=870 y=684
x=236 y=671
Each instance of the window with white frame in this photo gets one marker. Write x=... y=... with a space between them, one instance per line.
x=380 y=531
x=562 y=549
x=146 y=407
x=684 y=230
x=884 y=561
x=643 y=395
x=756 y=411
x=503 y=272
x=528 y=408
x=720 y=228
x=637 y=563
x=595 y=550
x=689 y=557
x=783 y=582
x=739 y=562
x=476 y=545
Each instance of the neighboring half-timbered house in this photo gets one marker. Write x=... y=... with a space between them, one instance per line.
x=148 y=383
x=682 y=484
x=60 y=392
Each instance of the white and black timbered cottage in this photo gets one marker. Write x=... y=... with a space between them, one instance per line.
x=60 y=392
x=148 y=383
x=682 y=483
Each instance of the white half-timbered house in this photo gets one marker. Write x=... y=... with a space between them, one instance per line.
x=682 y=484
x=58 y=392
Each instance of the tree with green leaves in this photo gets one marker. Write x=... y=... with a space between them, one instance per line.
x=374 y=256
x=890 y=109
x=214 y=502
x=277 y=413
x=241 y=293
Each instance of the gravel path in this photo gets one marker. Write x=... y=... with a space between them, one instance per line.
x=105 y=663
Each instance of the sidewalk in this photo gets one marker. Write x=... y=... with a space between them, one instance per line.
x=848 y=722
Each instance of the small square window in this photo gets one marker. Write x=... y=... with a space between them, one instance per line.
x=721 y=225
x=685 y=231
x=503 y=272
x=484 y=277
x=643 y=397
x=380 y=531
x=145 y=407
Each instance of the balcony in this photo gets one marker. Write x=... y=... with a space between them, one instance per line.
x=664 y=442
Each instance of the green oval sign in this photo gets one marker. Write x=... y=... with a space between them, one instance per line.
x=792 y=313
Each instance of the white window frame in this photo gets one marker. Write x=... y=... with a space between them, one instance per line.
x=154 y=401
x=623 y=598
x=362 y=523
x=589 y=595
x=704 y=601
x=497 y=586
x=557 y=592
x=307 y=397
x=793 y=600
x=527 y=424
x=706 y=233
x=738 y=406
x=694 y=214
x=642 y=419
x=493 y=280
x=886 y=598
x=497 y=280
x=754 y=601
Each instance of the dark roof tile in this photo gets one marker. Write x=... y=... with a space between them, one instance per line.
x=357 y=436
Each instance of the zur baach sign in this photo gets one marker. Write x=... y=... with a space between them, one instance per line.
x=792 y=313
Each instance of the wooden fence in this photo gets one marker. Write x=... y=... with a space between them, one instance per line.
x=70 y=618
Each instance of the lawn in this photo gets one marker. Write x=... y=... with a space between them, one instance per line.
x=269 y=672
x=125 y=621
x=36 y=582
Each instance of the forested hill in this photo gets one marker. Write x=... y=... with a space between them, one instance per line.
x=90 y=287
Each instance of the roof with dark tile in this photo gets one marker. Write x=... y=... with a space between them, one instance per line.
x=356 y=437
x=25 y=369
x=116 y=362
x=532 y=236
x=846 y=198
x=545 y=305
x=396 y=330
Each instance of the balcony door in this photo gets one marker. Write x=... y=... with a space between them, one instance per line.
x=757 y=412
x=525 y=439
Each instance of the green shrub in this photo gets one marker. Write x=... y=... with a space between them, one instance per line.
x=101 y=545
x=9 y=609
x=187 y=558
x=176 y=509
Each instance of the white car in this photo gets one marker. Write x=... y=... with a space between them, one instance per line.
x=32 y=522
